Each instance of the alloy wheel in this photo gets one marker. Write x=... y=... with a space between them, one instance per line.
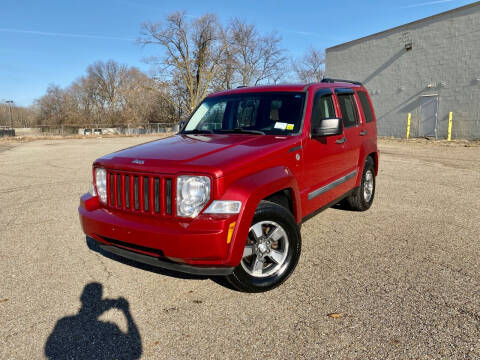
x=368 y=186
x=266 y=249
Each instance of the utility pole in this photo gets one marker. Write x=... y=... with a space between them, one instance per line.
x=10 y=102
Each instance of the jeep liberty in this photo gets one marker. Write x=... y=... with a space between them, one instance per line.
x=227 y=194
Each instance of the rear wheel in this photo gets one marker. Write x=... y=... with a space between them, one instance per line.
x=362 y=197
x=271 y=251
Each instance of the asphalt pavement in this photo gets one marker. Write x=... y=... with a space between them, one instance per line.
x=400 y=281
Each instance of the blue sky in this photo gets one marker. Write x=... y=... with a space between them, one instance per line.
x=44 y=42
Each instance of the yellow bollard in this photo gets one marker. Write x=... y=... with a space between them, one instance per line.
x=450 y=121
x=409 y=120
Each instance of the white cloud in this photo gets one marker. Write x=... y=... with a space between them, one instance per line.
x=44 y=33
x=434 y=2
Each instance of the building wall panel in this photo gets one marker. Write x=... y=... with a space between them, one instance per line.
x=444 y=60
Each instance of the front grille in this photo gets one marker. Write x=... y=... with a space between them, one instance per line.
x=140 y=193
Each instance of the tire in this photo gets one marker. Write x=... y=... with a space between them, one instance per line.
x=362 y=197
x=271 y=252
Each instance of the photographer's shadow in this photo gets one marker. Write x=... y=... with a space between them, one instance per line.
x=84 y=336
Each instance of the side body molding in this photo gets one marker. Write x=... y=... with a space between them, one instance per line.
x=332 y=185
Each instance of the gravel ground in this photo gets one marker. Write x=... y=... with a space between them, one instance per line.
x=402 y=279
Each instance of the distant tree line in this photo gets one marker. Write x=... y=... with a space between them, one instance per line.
x=18 y=116
x=109 y=94
x=196 y=57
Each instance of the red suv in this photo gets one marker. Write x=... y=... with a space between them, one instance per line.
x=227 y=194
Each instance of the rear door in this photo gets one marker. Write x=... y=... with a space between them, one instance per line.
x=352 y=127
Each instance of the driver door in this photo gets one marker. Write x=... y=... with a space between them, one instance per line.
x=324 y=157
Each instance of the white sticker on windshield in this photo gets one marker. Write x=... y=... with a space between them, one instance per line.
x=280 y=125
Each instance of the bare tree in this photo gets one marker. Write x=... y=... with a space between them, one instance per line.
x=311 y=66
x=84 y=93
x=107 y=78
x=145 y=100
x=52 y=106
x=254 y=58
x=227 y=76
x=192 y=52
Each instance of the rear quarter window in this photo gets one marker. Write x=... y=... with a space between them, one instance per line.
x=366 y=107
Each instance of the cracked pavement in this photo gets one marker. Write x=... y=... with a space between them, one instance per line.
x=402 y=280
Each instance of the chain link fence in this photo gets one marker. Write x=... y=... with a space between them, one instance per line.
x=94 y=129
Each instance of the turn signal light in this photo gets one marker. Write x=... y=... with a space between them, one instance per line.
x=231 y=229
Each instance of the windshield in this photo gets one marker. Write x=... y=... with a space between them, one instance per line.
x=262 y=114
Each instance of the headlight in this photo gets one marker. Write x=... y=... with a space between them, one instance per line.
x=101 y=184
x=224 y=207
x=193 y=192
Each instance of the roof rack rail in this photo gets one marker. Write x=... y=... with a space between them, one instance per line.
x=241 y=86
x=329 y=80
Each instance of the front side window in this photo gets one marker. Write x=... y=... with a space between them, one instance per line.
x=347 y=107
x=322 y=109
x=269 y=113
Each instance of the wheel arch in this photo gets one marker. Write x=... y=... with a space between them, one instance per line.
x=251 y=190
x=285 y=198
x=374 y=156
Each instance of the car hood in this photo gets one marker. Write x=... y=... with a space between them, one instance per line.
x=213 y=153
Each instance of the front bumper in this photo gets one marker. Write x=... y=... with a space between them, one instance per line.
x=197 y=246
x=164 y=264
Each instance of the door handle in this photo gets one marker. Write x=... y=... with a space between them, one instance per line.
x=363 y=133
x=341 y=141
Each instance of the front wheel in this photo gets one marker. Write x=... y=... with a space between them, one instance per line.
x=271 y=252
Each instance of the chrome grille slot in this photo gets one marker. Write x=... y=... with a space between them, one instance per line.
x=156 y=195
x=146 y=197
x=168 y=195
x=127 y=191
x=119 y=190
x=136 y=200
x=111 y=195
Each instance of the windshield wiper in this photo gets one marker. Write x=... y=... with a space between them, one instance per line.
x=198 y=131
x=242 y=131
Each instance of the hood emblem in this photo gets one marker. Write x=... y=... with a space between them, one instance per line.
x=138 y=162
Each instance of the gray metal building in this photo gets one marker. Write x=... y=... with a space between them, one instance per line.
x=427 y=68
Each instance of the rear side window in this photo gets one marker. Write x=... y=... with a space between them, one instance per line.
x=348 y=109
x=322 y=109
x=367 y=110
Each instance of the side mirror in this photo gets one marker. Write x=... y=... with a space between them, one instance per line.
x=181 y=124
x=328 y=127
